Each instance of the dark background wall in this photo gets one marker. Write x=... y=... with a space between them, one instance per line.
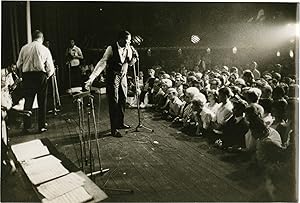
x=94 y=25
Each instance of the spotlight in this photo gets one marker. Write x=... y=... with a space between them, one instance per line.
x=234 y=50
x=278 y=53
x=179 y=52
x=195 y=39
x=149 y=52
x=137 y=40
x=291 y=54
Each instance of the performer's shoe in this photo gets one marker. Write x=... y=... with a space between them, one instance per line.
x=42 y=130
x=116 y=133
x=124 y=126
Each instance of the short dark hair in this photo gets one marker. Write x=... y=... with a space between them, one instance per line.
x=123 y=34
x=37 y=34
x=226 y=91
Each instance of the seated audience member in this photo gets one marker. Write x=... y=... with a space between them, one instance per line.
x=148 y=86
x=279 y=109
x=164 y=102
x=203 y=115
x=191 y=80
x=223 y=114
x=178 y=85
x=186 y=109
x=278 y=93
x=225 y=75
x=252 y=95
x=276 y=76
x=267 y=105
x=248 y=78
x=235 y=129
x=236 y=91
x=214 y=84
x=254 y=70
x=258 y=131
x=240 y=83
x=266 y=92
x=174 y=103
x=234 y=70
x=232 y=78
x=212 y=104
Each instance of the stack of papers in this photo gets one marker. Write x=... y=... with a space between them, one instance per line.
x=60 y=186
x=44 y=169
x=29 y=150
x=77 y=195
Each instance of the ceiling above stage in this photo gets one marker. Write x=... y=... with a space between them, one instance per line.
x=161 y=24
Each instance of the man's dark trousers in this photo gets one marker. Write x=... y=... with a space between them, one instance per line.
x=35 y=83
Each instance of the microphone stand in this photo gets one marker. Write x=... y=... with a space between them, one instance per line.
x=84 y=161
x=55 y=94
x=140 y=125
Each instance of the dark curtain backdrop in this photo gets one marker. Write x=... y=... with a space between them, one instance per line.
x=93 y=25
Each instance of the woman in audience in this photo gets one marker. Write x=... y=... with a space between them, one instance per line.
x=212 y=104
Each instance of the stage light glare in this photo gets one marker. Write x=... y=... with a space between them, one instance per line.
x=234 y=50
x=291 y=53
x=278 y=53
x=179 y=51
x=208 y=50
x=137 y=40
x=297 y=29
x=195 y=39
x=149 y=52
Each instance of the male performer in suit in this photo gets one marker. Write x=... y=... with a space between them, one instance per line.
x=116 y=60
x=36 y=64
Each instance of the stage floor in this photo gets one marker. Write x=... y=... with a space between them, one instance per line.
x=164 y=165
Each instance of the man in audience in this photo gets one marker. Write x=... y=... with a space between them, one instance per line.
x=235 y=129
x=253 y=68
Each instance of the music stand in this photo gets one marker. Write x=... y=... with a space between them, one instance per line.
x=140 y=125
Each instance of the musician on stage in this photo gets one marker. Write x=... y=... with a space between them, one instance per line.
x=74 y=56
x=116 y=60
x=36 y=64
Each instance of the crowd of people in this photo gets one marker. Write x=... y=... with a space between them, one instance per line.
x=241 y=111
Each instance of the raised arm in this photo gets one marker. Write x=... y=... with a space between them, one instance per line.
x=99 y=67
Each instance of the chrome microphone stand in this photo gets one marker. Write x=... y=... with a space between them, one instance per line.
x=55 y=94
x=140 y=125
x=83 y=139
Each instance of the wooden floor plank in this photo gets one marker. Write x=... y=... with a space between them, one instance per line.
x=164 y=165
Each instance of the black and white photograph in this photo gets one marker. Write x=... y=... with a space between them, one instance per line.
x=149 y=101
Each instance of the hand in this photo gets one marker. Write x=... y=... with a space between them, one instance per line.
x=88 y=84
